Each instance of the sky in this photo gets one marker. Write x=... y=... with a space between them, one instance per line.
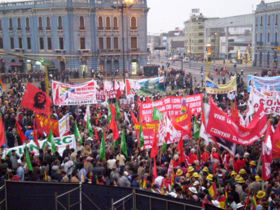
x=166 y=15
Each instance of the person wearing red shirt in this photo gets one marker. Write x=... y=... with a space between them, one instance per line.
x=192 y=156
x=205 y=157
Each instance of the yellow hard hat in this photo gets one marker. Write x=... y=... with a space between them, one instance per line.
x=210 y=177
x=252 y=163
x=196 y=175
x=205 y=169
x=190 y=169
x=242 y=171
x=179 y=172
x=233 y=173
x=258 y=178
x=261 y=194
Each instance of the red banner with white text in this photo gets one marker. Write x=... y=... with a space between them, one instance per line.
x=222 y=126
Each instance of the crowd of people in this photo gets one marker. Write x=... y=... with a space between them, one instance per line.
x=209 y=174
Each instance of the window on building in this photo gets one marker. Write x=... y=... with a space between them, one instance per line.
x=133 y=23
x=268 y=20
x=1 y=43
x=108 y=43
x=11 y=24
x=100 y=42
x=40 y=23
x=133 y=43
x=268 y=37
x=261 y=39
x=115 y=22
x=82 y=23
x=48 y=23
x=108 y=23
x=261 y=21
x=19 y=24
x=100 y=23
x=82 y=43
x=276 y=36
x=0 y=25
x=116 y=43
x=60 y=23
x=12 y=44
x=49 y=43
x=28 y=43
x=20 y=43
x=200 y=34
x=276 y=19
x=201 y=41
x=41 y=42
x=27 y=24
x=61 y=43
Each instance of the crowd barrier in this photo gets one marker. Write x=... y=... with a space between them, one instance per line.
x=48 y=196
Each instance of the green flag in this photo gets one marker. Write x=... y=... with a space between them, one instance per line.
x=118 y=110
x=157 y=115
x=141 y=136
x=103 y=149
x=164 y=147
x=123 y=144
x=109 y=112
x=89 y=127
x=196 y=129
x=116 y=142
x=27 y=156
x=77 y=134
x=50 y=139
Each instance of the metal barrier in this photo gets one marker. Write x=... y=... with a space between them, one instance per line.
x=3 y=202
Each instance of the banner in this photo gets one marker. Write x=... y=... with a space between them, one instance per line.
x=102 y=95
x=67 y=94
x=171 y=106
x=213 y=88
x=60 y=142
x=147 y=86
x=264 y=83
x=44 y=125
x=269 y=99
x=64 y=125
x=36 y=100
x=220 y=125
x=149 y=130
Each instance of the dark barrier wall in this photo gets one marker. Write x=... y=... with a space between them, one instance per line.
x=41 y=196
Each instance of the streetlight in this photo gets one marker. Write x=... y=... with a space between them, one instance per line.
x=123 y=5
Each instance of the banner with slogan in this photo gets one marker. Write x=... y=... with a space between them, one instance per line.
x=149 y=131
x=64 y=126
x=102 y=95
x=213 y=88
x=147 y=86
x=269 y=99
x=78 y=94
x=45 y=125
x=60 y=142
x=171 y=106
x=222 y=126
x=264 y=83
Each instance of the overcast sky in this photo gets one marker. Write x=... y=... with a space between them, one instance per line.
x=165 y=15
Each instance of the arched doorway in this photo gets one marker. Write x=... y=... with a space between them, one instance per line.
x=134 y=66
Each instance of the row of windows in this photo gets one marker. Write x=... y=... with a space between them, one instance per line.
x=107 y=25
x=133 y=43
x=269 y=38
x=269 y=17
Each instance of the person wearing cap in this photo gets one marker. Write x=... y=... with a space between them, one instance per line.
x=256 y=185
x=261 y=197
x=253 y=167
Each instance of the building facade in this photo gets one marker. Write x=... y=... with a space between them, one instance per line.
x=194 y=36
x=230 y=37
x=267 y=30
x=74 y=34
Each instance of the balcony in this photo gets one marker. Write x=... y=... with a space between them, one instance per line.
x=134 y=49
x=59 y=28
x=84 y=51
x=82 y=28
x=116 y=28
x=19 y=29
x=133 y=28
x=60 y=51
x=108 y=28
x=259 y=43
x=274 y=44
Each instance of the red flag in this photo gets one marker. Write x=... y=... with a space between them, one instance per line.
x=134 y=119
x=276 y=142
x=114 y=128
x=267 y=154
x=20 y=132
x=96 y=136
x=113 y=110
x=36 y=100
x=2 y=132
x=154 y=151
x=139 y=102
x=148 y=99
x=35 y=132
x=180 y=147
x=155 y=169
x=129 y=90
x=235 y=114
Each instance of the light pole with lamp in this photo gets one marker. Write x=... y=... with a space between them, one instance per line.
x=123 y=5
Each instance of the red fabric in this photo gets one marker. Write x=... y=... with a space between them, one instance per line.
x=148 y=99
x=176 y=163
x=2 y=132
x=129 y=90
x=155 y=169
x=180 y=147
x=113 y=110
x=154 y=151
x=114 y=128
x=139 y=102
x=21 y=134
x=205 y=157
x=276 y=142
x=234 y=113
x=267 y=154
x=35 y=131
x=193 y=157
x=96 y=137
x=134 y=119
x=36 y=100
x=45 y=125
x=216 y=155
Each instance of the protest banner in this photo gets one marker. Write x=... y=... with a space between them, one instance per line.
x=102 y=95
x=264 y=83
x=213 y=88
x=60 y=142
x=222 y=126
x=67 y=94
x=64 y=126
x=269 y=99
x=171 y=106
x=44 y=125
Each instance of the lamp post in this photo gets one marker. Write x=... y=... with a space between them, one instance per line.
x=121 y=6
